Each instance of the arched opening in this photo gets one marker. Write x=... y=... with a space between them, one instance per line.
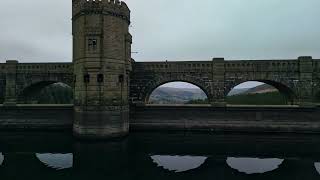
x=179 y=93
x=317 y=97
x=46 y=92
x=260 y=93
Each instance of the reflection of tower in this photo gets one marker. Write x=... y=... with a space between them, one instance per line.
x=101 y=58
x=105 y=160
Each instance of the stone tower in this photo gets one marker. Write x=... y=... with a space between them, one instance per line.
x=101 y=57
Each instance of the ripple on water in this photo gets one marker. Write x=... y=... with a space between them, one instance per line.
x=56 y=161
x=1 y=158
x=254 y=165
x=178 y=163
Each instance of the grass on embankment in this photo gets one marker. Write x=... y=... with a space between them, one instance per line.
x=271 y=98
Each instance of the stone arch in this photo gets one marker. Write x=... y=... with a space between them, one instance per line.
x=147 y=90
x=28 y=80
x=30 y=89
x=287 y=89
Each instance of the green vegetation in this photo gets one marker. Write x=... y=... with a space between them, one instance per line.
x=271 y=98
x=53 y=94
x=198 y=101
x=56 y=94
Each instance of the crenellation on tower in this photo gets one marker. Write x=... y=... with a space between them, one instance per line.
x=108 y=7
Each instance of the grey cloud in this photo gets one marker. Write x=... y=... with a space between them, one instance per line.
x=37 y=30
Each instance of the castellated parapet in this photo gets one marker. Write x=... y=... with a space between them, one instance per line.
x=108 y=7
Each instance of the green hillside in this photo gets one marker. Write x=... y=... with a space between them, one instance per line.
x=270 y=98
x=260 y=95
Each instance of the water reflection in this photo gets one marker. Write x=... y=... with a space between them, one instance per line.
x=1 y=158
x=178 y=163
x=56 y=161
x=317 y=166
x=254 y=165
x=159 y=156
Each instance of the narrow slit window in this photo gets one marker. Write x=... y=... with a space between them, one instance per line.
x=86 y=78
x=100 y=78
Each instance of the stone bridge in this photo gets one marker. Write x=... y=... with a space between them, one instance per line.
x=105 y=80
x=297 y=79
x=20 y=80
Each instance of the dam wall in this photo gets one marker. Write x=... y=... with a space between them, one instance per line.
x=234 y=119
x=173 y=118
x=36 y=117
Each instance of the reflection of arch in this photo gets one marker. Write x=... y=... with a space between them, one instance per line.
x=284 y=89
x=153 y=85
x=35 y=88
x=317 y=166
x=216 y=167
x=1 y=159
x=56 y=161
x=254 y=165
x=178 y=163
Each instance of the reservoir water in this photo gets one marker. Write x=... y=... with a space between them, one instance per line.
x=160 y=155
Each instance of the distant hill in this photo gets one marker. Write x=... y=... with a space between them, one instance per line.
x=238 y=91
x=170 y=95
x=264 y=88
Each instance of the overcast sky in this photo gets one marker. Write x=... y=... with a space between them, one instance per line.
x=40 y=30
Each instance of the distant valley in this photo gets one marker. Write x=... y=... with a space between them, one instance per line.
x=170 y=95
x=264 y=88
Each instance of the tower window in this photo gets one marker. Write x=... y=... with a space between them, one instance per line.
x=86 y=78
x=92 y=44
x=100 y=78
x=121 y=78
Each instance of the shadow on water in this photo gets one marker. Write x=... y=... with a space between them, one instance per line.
x=160 y=156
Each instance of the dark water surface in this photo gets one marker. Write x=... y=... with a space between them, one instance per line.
x=165 y=156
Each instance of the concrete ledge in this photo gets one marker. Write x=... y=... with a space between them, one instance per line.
x=36 y=117
x=163 y=118
x=234 y=119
